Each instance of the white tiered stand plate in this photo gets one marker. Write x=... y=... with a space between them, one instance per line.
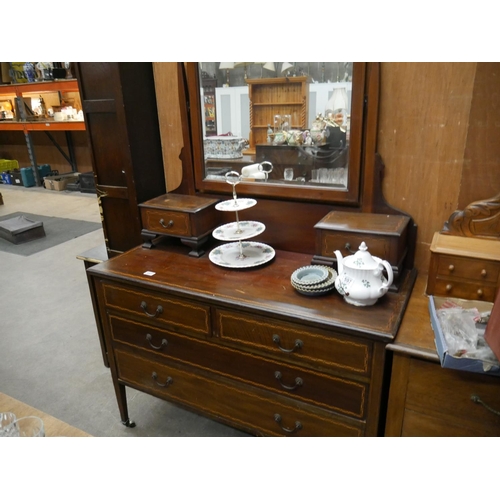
x=247 y=229
x=235 y=205
x=255 y=254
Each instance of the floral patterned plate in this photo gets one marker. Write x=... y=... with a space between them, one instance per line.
x=254 y=254
x=235 y=231
x=234 y=206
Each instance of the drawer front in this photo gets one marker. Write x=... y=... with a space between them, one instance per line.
x=470 y=269
x=166 y=222
x=255 y=410
x=332 y=393
x=445 y=397
x=160 y=309
x=384 y=247
x=291 y=343
x=448 y=287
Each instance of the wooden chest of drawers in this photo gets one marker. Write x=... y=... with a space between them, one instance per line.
x=465 y=268
x=245 y=348
x=428 y=400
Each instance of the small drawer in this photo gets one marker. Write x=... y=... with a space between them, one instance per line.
x=160 y=309
x=461 y=289
x=255 y=410
x=332 y=393
x=470 y=269
x=166 y=222
x=288 y=342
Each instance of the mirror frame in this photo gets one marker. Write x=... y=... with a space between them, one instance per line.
x=350 y=196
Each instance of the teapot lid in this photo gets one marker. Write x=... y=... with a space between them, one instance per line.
x=362 y=259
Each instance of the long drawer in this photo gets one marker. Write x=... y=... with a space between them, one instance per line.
x=256 y=410
x=161 y=310
x=452 y=287
x=293 y=343
x=309 y=386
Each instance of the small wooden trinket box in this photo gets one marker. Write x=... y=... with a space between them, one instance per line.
x=190 y=218
x=385 y=236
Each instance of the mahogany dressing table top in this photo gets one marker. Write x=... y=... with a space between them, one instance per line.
x=267 y=289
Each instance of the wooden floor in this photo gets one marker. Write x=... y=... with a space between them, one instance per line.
x=53 y=426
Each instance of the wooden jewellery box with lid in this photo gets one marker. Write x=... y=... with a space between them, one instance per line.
x=386 y=237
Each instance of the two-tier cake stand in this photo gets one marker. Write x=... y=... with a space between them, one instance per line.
x=238 y=252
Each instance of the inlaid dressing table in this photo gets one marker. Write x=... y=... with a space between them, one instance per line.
x=242 y=346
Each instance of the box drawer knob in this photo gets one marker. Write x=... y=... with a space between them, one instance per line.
x=297 y=345
x=144 y=307
x=169 y=224
x=451 y=268
x=479 y=292
x=484 y=273
x=449 y=288
x=278 y=419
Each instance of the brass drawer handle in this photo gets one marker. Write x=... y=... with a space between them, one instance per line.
x=166 y=226
x=169 y=380
x=476 y=399
x=144 y=307
x=298 y=382
x=298 y=425
x=163 y=344
x=298 y=344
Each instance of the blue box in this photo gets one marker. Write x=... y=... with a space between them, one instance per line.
x=446 y=359
x=28 y=178
x=6 y=177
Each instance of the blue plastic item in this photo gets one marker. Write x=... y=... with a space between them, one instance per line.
x=27 y=177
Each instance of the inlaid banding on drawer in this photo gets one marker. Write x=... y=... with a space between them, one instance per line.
x=164 y=221
x=165 y=311
x=249 y=408
x=328 y=350
x=310 y=386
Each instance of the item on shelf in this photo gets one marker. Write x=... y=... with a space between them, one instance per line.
x=360 y=277
x=239 y=253
x=224 y=147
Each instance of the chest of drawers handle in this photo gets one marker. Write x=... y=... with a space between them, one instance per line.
x=278 y=419
x=168 y=225
x=451 y=268
x=144 y=307
x=163 y=344
x=297 y=345
x=168 y=381
x=484 y=273
x=479 y=292
x=476 y=399
x=298 y=382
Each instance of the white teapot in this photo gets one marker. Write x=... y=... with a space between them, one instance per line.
x=360 y=277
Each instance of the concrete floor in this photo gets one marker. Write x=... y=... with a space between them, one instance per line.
x=49 y=350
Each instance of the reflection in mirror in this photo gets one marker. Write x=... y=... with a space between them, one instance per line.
x=294 y=116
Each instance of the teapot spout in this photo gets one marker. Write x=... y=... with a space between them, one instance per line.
x=340 y=259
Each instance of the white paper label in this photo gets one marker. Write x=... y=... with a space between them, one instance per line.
x=149 y=273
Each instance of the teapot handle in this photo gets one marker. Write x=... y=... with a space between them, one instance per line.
x=390 y=274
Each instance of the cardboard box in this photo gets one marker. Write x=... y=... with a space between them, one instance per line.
x=446 y=359
x=59 y=182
